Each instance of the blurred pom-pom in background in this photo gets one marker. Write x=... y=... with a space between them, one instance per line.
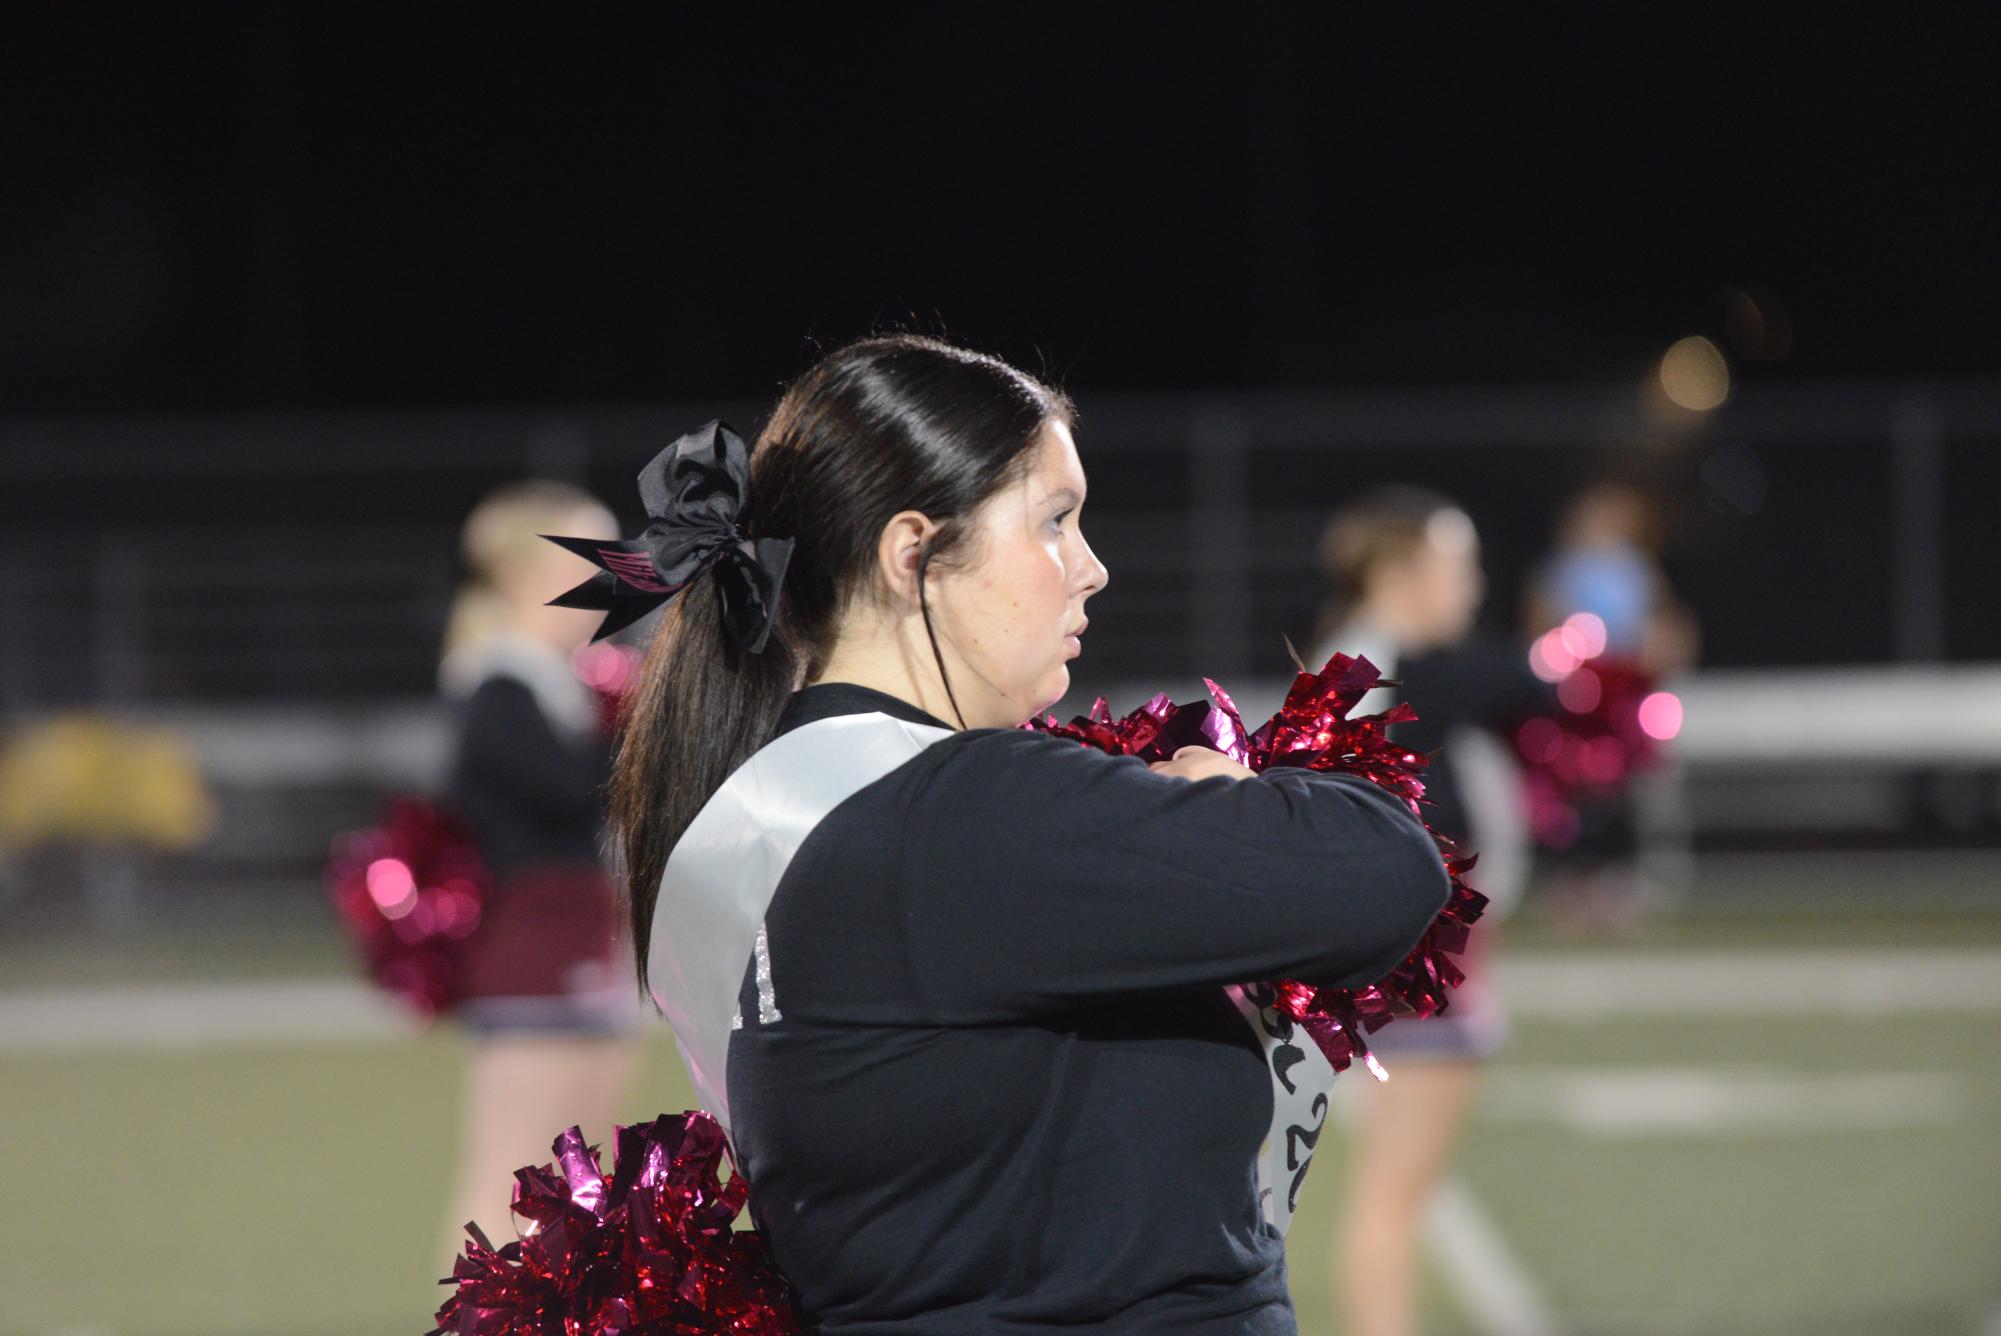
x=611 y=671
x=1611 y=723
x=410 y=890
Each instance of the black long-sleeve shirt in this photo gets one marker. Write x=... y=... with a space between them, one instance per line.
x=1477 y=683
x=532 y=795
x=1009 y=1092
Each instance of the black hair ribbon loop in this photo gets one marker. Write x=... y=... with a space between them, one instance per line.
x=694 y=493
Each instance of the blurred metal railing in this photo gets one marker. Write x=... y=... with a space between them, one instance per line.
x=310 y=557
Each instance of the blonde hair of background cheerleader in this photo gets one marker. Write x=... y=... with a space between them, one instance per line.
x=502 y=530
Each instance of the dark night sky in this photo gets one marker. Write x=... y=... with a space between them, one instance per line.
x=285 y=206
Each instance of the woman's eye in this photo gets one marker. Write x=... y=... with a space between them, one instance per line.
x=1059 y=518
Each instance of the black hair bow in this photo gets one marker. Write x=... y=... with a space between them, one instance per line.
x=694 y=492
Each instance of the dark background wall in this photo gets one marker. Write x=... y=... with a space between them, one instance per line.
x=314 y=209
x=304 y=205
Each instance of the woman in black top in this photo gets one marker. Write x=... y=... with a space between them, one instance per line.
x=966 y=996
x=1403 y=584
x=547 y=1019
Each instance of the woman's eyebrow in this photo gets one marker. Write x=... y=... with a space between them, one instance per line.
x=1061 y=494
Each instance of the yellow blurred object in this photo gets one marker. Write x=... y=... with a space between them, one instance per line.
x=87 y=777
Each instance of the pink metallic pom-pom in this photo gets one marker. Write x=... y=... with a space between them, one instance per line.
x=648 y=1251
x=1610 y=724
x=410 y=889
x=1313 y=729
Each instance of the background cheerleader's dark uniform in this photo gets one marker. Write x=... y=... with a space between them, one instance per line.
x=1477 y=684
x=543 y=958
x=1008 y=1092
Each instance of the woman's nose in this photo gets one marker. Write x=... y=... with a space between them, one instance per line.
x=1096 y=574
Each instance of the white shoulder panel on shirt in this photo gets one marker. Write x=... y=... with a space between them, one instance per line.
x=721 y=876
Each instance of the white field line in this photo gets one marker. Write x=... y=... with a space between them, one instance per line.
x=187 y=1016
x=1749 y=983
x=1559 y=986
x=1494 y=1291
x=1727 y=1100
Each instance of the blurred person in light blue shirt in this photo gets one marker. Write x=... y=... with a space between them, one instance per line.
x=1605 y=563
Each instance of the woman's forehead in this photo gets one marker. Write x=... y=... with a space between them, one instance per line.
x=1057 y=466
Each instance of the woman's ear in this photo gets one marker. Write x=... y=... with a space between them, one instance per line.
x=899 y=550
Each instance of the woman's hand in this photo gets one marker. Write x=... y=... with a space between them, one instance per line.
x=1198 y=762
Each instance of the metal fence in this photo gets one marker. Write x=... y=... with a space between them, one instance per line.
x=311 y=557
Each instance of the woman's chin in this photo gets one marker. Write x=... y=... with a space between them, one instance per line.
x=1054 y=689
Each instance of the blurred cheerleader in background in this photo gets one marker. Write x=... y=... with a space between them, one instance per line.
x=1403 y=575
x=1605 y=564
x=547 y=1006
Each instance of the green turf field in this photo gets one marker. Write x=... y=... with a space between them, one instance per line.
x=272 y=1188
